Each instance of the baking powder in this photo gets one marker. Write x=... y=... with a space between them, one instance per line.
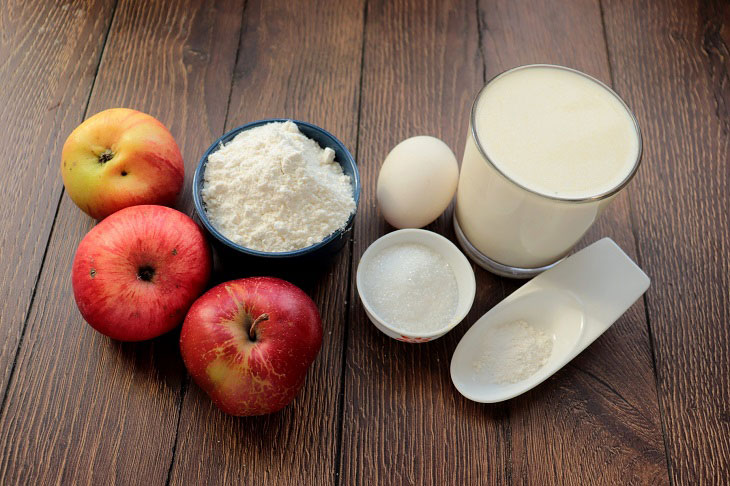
x=512 y=352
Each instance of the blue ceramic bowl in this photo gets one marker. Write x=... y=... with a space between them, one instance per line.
x=327 y=247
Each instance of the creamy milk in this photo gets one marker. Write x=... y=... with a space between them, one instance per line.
x=559 y=136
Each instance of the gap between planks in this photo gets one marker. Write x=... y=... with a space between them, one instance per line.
x=640 y=261
x=186 y=378
x=21 y=339
x=348 y=294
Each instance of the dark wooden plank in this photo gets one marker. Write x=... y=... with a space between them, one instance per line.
x=49 y=52
x=671 y=60
x=298 y=60
x=403 y=412
x=598 y=420
x=404 y=422
x=81 y=408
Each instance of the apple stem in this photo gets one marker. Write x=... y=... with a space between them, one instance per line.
x=106 y=156
x=261 y=318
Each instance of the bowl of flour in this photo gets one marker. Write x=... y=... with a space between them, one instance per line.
x=277 y=189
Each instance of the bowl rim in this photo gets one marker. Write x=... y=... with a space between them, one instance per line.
x=423 y=236
x=227 y=137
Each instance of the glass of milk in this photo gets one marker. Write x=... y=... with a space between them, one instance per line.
x=548 y=148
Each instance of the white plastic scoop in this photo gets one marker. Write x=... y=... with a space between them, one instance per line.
x=573 y=303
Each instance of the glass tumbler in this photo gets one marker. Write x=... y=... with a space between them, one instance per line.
x=510 y=229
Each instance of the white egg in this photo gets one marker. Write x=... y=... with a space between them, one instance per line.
x=417 y=182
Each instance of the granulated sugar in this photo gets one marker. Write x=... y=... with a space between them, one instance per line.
x=273 y=189
x=512 y=352
x=411 y=287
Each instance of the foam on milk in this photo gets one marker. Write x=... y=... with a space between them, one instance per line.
x=556 y=132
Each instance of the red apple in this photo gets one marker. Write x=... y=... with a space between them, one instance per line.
x=136 y=273
x=120 y=158
x=248 y=343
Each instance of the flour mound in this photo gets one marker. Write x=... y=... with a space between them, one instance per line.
x=273 y=189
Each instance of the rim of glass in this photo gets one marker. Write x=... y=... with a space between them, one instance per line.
x=597 y=197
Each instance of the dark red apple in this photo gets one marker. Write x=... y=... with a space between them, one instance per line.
x=137 y=272
x=248 y=343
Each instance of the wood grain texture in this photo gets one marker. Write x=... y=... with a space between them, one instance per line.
x=597 y=421
x=49 y=52
x=619 y=430
x=671 y=60
x=81 y=408
x=299 y=60
x=404 y=422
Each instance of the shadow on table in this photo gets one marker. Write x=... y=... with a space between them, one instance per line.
x=159 y=357
x=303 y=274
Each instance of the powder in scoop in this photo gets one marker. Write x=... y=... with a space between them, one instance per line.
x=512 y=352
x=273 y=189
x=411 y=287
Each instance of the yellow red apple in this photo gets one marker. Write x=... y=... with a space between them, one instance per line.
x=136 y=273
x=248 y=343
x=120 y=158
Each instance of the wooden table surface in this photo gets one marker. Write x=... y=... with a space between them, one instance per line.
x=647 y=403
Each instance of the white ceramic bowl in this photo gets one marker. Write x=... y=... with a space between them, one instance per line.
x=465 y=282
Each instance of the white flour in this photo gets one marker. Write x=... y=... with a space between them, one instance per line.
x=512 y=352
x=273 y=189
